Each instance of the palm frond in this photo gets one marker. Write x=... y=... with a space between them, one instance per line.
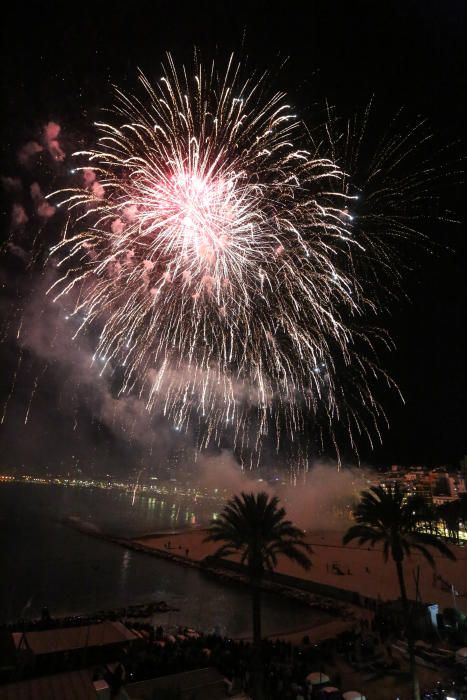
x=428 y=540
x=362 y=533
x=255 y=526
x=389 y=516
x=224 y=551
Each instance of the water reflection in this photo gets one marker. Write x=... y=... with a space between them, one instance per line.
x=124 y=569
x=47 y=563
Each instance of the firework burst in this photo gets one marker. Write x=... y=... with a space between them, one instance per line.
x=215 y=249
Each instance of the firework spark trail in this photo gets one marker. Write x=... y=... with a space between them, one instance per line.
x=215 y=248
x=133 y=498
x=12 y=387
x=37 y=379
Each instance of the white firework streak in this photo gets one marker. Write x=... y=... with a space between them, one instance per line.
x=216 y=253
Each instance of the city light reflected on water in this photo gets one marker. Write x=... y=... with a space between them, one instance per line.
x=48 y=563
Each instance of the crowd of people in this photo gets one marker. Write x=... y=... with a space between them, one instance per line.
x=285 y=666
x=161 y=652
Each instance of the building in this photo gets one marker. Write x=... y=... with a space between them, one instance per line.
x=75 y=684
x=54 y=649
x=202 y=684
x=437 y=485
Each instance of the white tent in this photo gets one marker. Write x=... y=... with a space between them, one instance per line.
x=316 y=678
x=353 y=695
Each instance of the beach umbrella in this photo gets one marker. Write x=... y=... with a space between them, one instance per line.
x=353 y=695
x=316 y=678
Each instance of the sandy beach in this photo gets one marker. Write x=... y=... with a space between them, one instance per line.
x=353 y=568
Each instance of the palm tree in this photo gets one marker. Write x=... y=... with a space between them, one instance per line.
x=450 y=514
x=254 y=526
x=390 y=517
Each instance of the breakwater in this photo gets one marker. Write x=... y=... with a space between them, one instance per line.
x=331 y=599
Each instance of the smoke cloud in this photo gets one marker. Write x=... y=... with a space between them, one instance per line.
x=323 y=500
x=42 y=207
x=50 y=136
x=26 y=152
x=18 y=216
x=324 y=494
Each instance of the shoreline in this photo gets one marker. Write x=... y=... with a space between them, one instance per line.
x=324 y=590
x=130 y=617
x=223 y=570
x=75 y=612
x=356 y=575
x=338 y=615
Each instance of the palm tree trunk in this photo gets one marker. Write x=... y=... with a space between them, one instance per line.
x=408 y=629
x=257 y=663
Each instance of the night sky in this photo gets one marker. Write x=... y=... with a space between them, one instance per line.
x=58 y=65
